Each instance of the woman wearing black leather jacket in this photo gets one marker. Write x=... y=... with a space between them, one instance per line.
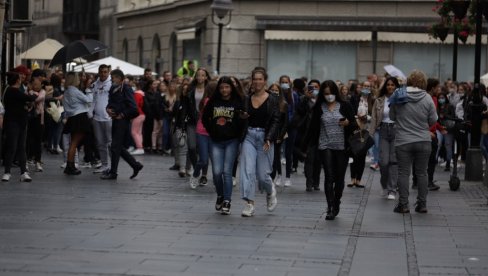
x=331 y=126
x=263 y=120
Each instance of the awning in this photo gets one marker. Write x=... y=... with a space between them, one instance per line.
x=316 y=35
x=45 y=50
x=186 y=34
x=420 y=38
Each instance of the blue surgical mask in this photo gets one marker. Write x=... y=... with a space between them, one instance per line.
x=365 y=92
x=330 y=98
x=285 y=86
x=315 y=92
x=442 y=101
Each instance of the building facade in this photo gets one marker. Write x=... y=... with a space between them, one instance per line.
x=322 y=39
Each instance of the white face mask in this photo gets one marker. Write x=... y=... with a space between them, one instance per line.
x=330 y=98
x=285 y=86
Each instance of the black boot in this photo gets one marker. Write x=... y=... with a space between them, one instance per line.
x=71 y=169
x=337 y=203
x=330 y=208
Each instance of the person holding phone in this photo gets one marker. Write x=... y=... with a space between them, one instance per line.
x=336 y=120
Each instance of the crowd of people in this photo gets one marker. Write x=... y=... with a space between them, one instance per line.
x=251 y=126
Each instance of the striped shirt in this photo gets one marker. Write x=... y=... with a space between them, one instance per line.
x=331 y=133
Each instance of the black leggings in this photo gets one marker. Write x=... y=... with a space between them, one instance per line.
x=334 y=163
x=276 y=160
x=357 y=167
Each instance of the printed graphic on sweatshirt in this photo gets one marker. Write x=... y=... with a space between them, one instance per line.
x=223 y=114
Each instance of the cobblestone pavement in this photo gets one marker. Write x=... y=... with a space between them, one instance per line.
x=157 y=225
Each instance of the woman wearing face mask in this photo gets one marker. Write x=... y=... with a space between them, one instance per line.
x=293 y=100
x=275 y=91
x=335 y=121
x=381 y=122
x=445 y=112
x=365 y=107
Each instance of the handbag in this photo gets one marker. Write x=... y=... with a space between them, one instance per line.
x=360 y=142
x=55 y=110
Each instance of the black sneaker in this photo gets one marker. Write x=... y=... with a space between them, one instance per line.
x=203 y=181
x=225 y=208
x=218 y=203
x=421 y=208
x=433 y=187
x=175 y=168
x=402 y=209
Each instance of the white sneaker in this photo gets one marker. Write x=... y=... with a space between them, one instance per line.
x=97 y=165
x=234 y=182
x=86 y=165
x=102 y=169
x=137 y=152
x=63 y=166
x=287 y=182
x=283 y=161
x=248 y=210
x=271 y=200
x=131 y=149
x=6 y=177
x=59 y=150
x=277 y=180
x=25 y=177
x=38 y=167
x=193 y=182
x=391 y=196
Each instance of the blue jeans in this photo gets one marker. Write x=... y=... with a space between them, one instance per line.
x=484 y=145
x=376 y=147
x=204 y=145
x=255 y=163
x=223 y=155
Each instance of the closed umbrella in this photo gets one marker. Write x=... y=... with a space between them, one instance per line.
x=77 y=49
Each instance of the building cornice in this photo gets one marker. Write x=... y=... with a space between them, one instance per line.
x=159 y=8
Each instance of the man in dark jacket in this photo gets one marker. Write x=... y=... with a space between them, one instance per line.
x=121 y=108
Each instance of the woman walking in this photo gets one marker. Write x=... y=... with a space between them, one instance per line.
x=336 y=120
x=381 y=119
x=275 y=91
x=256 y=161
x=222 y=122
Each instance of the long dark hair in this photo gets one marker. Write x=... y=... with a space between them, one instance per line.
x=334 y=90
x=194 y=82
x=383 y=88
x=208 y=93
x=281 y=97
x=234 y=95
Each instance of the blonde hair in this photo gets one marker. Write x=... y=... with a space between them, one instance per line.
x=72 y=79
x=417 y=79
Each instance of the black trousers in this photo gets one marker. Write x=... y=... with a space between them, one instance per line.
x=34 y=138
x=117 y=149
x=276 y=160
x=334 y=163
x=357 y=167
x=15 y=139
x=313 y=165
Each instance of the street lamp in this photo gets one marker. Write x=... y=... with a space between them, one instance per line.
x=220 y=8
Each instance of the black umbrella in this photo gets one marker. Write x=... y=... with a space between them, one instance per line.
x=76 y=49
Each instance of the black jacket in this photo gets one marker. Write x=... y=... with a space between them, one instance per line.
x=121 y=101
x=272 y=120
x=15 y=104
x=313 y=134
x=283 y=124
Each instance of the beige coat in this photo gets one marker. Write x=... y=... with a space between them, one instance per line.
x=377 y=114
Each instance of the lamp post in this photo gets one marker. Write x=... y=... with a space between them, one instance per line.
x=474 y=171
x=220 y=8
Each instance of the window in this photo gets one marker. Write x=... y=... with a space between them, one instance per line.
x=125 y=50
x=156 y=54
x=140 y=51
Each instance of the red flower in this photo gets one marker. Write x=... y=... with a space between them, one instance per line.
x=463 y=33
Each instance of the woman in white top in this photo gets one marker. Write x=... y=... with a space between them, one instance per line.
x=381 y=119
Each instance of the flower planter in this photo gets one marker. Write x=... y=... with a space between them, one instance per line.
x=441 y=33
x=460 y=8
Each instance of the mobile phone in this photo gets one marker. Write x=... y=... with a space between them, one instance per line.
x=310 y=88
x=342 y=119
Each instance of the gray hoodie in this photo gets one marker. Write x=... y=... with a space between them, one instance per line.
x=413 y=119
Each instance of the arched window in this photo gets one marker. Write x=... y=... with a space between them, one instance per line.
x=173 y=47
x=156 y=54
x=140 y=52
x=125 y=49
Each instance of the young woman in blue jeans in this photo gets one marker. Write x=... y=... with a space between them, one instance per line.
x=221 y=119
